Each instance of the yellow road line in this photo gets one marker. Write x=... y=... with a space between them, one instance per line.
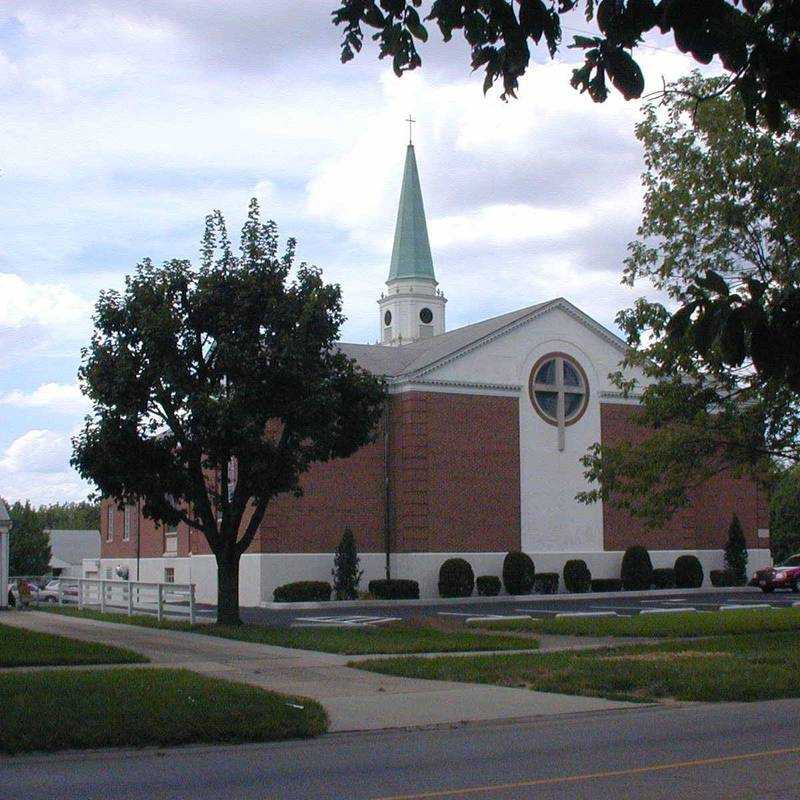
x=700 y=762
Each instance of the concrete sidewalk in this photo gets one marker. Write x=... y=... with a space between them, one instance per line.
x=354 y=699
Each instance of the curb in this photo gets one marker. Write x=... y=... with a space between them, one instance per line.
x=518 y=598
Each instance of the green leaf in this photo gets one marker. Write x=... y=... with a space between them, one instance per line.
x=624 y=72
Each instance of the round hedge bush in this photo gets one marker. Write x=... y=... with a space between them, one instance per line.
x=637 y=569
x=577 y=577
x=303 y=592
x=456 y=578
x=664 y=578
x=394 y=589
x=519 y=573
x=488 y=585
x=688 y=572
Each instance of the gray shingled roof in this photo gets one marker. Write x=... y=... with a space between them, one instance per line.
x=73 y=546
x=405 y=359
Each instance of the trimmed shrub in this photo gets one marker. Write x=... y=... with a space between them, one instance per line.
x=488 y=585
x=722 y=577
x=346 y=574
x=577 y=577
x=456 y=578
x=664 y=578
x=394 y=589
x=546 y=582
x=606 y=585
x=519 y=573
x=688 y=572
x=736 y=553
x=637 y=569
x=302 y=592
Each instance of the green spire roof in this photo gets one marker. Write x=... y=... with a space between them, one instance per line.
x=411 y=254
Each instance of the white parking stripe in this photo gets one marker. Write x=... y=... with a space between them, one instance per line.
x=356 y=621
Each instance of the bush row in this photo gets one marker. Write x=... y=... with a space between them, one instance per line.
x=457 y=579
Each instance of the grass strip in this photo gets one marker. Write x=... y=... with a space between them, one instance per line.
x=64 y=709
x=24 y=648
x=667 y=625
x=728 y=668
x=384 y=639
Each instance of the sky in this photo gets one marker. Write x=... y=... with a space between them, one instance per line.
x=124 y=123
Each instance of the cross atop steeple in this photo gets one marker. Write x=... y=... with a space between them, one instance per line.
x=410 y=123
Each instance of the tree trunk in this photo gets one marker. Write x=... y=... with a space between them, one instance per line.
x=228 y=588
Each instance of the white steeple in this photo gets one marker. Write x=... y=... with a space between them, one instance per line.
x=412 y=307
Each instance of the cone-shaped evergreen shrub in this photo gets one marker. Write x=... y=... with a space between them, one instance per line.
x=736 y=552
x=346 y=574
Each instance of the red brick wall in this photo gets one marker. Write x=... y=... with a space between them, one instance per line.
x=336 y=494
x=704 y=524
x=454 y=484
x=460 y=474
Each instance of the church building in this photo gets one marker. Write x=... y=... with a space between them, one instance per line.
x=478 y=454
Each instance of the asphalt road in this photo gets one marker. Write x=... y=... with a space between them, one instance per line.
x=537 y=606
x=701 y=751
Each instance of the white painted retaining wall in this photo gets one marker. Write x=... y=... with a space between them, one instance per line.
x=261 y=573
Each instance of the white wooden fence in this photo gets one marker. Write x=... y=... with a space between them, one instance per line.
x=132 y=596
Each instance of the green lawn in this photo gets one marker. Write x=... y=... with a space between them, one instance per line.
x=392 y=638
x=667 y=625
x=23 y=648
x=727 y=668
x=61 y=709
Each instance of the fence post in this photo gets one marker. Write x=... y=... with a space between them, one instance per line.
x=60 y=594
x=191 y=604
x=103 y=597
x=130 y=599
x=160 y=601
x=80 y=593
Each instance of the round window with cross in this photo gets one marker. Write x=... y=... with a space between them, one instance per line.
x=559 y=391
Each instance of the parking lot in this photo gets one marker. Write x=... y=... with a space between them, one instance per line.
x=537 y=606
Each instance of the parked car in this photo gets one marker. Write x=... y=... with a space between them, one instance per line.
x=784 y=576
x=50 y=592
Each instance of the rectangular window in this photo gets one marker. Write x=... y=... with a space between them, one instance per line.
x=126 y=531
x=110 y=525
x=171 y=544
x=169 y=575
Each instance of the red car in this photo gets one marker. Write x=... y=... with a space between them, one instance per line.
x=784 y=576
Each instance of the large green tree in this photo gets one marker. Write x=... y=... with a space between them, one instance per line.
x=214 y=389
x=784 y=522
x=83 y=515
x=29 y=546
x=756 y=41
x=720 y=237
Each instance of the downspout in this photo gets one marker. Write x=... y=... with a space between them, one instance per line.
x=138 y=535
x=387 y=490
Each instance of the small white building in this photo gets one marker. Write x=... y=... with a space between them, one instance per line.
x=69 y=549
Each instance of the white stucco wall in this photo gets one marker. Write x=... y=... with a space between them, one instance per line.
x=551 y=520
x=260 y=574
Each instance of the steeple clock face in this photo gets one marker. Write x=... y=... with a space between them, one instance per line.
x=387 y=318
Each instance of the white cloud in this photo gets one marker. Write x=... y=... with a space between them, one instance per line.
x=35 y=466
x=58 y=397
x=51 y=304
x=37 y=451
